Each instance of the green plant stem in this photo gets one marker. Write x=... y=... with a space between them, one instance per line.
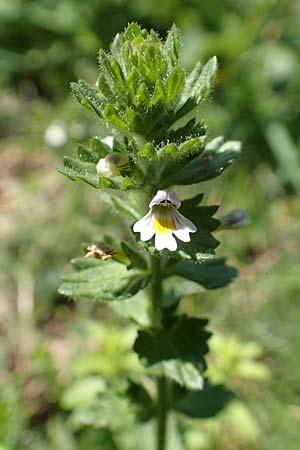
x=162 y=387
x=162 y=401
x=156 y=292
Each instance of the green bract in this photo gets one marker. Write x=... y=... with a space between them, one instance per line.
x=151 y=105
x=152 y=108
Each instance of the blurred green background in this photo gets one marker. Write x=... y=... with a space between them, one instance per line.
x=52 y=351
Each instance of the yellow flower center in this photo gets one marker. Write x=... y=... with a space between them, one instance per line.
x=163 y=219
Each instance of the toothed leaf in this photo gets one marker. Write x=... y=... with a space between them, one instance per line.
x=177 y=352
x=107 y=281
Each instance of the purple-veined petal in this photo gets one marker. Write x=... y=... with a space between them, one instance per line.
x=183 y=227
x=163 y=220
x=184 y=223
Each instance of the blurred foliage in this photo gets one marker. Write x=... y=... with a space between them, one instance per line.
x=50 y=352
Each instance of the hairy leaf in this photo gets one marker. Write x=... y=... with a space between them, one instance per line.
x=172 y=44
x=190 y=83
x=78 y=170
x=198 y=86
x=99 y=148
x=212 y=274
x=211 y=163
x=190 y=147
x=108 y=281
x=88 y=96
x=174 y=84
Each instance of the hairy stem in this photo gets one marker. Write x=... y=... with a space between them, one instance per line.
x=162 y=388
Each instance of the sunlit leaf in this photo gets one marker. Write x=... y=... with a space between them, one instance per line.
x=78 y=171
x=107 y=410
x=108 y=281
x=82 y=392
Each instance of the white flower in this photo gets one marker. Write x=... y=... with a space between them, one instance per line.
x=111 y=165
x=113 y=162
x=163 y=220
x=55 y=134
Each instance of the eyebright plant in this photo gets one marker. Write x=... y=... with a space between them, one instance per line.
x=156 y=140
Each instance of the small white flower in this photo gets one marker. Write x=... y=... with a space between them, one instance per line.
x=163 y=220
x=56 y=134
x=113 y=162
x=111 y=165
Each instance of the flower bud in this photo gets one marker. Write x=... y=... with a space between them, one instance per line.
x=237 y=218
x=111 y=165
